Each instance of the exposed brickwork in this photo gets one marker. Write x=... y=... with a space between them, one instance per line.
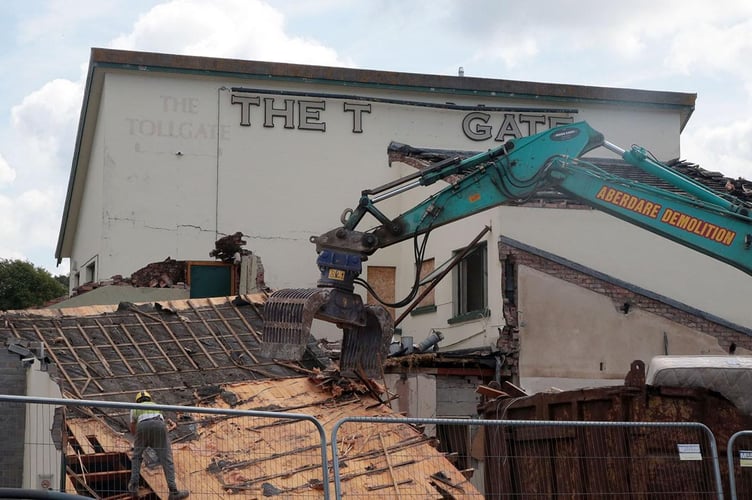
x=620 y=296
x=12 y=419
x=169 y=272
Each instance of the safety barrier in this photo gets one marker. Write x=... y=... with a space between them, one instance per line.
x=242 y=453
x=740 y=464
x=546 y=459
x=75 y=446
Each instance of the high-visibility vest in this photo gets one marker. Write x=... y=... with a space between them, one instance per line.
x=140 y=414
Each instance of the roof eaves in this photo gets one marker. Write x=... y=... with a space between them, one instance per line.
x=146 y=61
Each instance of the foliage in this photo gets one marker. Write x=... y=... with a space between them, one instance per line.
x=63 y=279
x=23 y=285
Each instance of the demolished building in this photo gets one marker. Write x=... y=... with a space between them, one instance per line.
x=205 y=353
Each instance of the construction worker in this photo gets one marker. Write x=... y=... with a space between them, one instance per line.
x=148 y=425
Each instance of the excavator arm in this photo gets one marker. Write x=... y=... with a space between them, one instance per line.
x=713 y=227
x=691 y=215
x=505 y=175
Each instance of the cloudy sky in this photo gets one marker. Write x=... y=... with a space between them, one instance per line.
x=683 y=45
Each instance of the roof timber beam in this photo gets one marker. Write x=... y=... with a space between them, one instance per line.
x=106 y=335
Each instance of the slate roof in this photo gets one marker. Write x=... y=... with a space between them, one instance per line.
x=174 y=349
x=205 y=353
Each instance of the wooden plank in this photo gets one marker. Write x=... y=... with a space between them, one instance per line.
x=246 y=323
x=490 y=392
x=135 y=344
x=156 y=344
x=108 y=475
x=391 y=469
x=213 y=334
x=177 y=342
x=106 y=334
x=73 y=387
x=233 y=333
x=94 y=349
x=167 y=328
x=81 y=481
x=200 y=345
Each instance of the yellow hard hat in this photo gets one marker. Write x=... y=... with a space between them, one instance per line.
x=143 y=396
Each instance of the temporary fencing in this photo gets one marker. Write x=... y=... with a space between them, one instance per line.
x=739 y=459
x=81 y=447
x=547 y=459
x=73 y=446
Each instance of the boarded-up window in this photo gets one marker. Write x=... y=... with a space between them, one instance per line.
x=382 y=279
x=427 y=268
x=210 y=279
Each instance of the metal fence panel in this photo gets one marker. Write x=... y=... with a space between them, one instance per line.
x=563 y=459
x=739 y=459
x=69 y=446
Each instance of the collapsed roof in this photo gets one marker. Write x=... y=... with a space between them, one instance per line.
x=174 y=349
x=206 y=353
x=250 y=457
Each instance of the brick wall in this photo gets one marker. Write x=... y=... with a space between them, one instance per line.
x=621 y=296
x=12 y=419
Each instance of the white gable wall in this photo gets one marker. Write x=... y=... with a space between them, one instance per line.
x=175 y=165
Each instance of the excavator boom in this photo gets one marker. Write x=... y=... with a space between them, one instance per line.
x=697 y=217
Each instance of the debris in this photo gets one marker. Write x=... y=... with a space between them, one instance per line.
x=227 y=248
x=270 y=490
x=229 y=397
x=445 y=495
x=490 y=392
x=382 y=486
x=442 y=477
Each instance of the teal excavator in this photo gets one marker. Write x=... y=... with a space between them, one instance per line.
x=716 y=224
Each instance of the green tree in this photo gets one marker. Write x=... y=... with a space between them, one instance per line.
x=63 y=279
x=23 y=285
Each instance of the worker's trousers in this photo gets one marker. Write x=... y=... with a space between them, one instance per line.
x=153 y=434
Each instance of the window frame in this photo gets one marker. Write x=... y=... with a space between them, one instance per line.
x=472 y=268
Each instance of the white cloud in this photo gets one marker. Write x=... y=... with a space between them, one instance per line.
x=635 y=44
x=57 y=13
x=30 y=232
x=646 y=37
x=11 y=238
x=726 y=149
x=42 y=209
x=47 y=117
x=43 y=124
x=7 y=173
x=246 y=29
x=710 y=48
